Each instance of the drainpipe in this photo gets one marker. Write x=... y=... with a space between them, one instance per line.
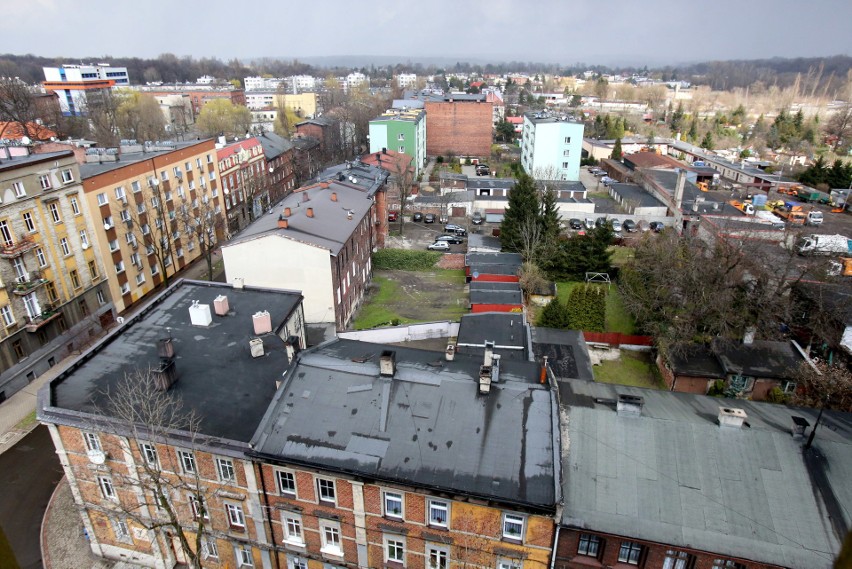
x=259 y=474
x=555 y=544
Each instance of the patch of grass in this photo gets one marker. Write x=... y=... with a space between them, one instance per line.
x=375 y=312
x=620 y=255
x=27 y=422
x=632 y=368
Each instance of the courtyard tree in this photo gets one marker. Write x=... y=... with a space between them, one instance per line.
x=19 y=109
x=138 y=117
x=616 y=150
x=222 y=117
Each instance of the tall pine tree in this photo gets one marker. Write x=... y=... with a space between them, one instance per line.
x=521 y=214
x=616 y=150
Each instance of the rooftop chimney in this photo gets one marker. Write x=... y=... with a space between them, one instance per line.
x=309 y=212
x=199 y=314
x=800 y=424
x=485 y=379
x=748 y=337
x=239 y=282
x=387 y=363
x=334 y=196
x=165 y=375
x=384 y=150
x=450 y=354
x=629 y=405
x=489 y=354
x=165 y=348
x=732 y=417
x=220 y=305
x=543 y=375
x=256 y=347
x=288 y=212
x=305 y=196
x=283 y=222
x=262 y=322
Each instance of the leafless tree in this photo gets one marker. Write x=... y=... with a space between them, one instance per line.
x=402 y=181
x=19 y=108
x=840 y=126
x=151 y=494
x=101 y=107
x=202 y=220
x=151 y=220
x=823 y=384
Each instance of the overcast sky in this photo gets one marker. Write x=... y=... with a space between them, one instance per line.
x=652 y=32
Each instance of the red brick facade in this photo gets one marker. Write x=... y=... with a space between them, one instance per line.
x=572 y=554
x=458 y=127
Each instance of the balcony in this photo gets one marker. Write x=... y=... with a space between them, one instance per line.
x=26 y=283
x=16 y=249
x=34 y=323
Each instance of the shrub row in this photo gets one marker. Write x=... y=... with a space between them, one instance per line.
x=405 y=259
x=587 y=308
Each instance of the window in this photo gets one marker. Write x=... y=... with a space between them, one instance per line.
x=400 y=136
x=297 y=563
x=179 y=251
x=18 y=346
x=135 y=187
x=124 y=215
x=225 y=467
x=209 y=158
x=135 y=259
x=164 y=176
x=209 y=549
x=107 y=489
x=92 y=441
x=286 y=482
x=394 y=550
x=509 y=564
x=567 y=140
x=44 y=181
x=8 y=317
x=146 y=229
x=75 y=207
x=236 y=519
x=51 y=292
x=42 y=261
x=401 y=149
x=438 y=558
x=564 y=165
x=629 y=552
x=63 y=244
x=120 y=195
x=326 y=490
x=244 y=558
x=293 y=529
x=54 y=212
x=513 y=526
x=330 y=537
x=566 y=153
x=67 y=176
x=177 y=171
x=125 y=288
x=101 y=297
x=121 y=531
x=119 y=267
x=149 y=453
x=108 y=222
x=140 y=208
x=102 y=199
x=19 y=189
x=140 y=279
x=93 y=270
x=393 y=505
x=75 y=278
x=438 y=513
x=187 y=459
x=84 y=308
x=728 y=564
x=589 y=545
x=677 y=560
x=28 y=222
x=84 y=239
x=199 y=508
x=113 y=245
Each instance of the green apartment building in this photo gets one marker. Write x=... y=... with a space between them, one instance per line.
x=401 y=130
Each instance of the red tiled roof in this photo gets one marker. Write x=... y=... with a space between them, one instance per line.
x=389 y=160
x=13 y=131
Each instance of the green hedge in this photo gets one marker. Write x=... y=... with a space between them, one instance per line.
x=587 y=308
x=405 y=259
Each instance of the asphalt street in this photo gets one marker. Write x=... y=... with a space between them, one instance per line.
x=29 y=472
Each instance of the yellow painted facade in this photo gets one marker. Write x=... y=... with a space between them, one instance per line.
x=304 y=103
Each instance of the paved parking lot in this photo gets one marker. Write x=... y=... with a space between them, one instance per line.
x=418 y=235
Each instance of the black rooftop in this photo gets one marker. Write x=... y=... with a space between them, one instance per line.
x=507 y=330
x=217 y=376
x=566 y=351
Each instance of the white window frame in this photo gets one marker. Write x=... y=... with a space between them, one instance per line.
x=236 y=516
x=67 y=176
x=188 y=465
x=149 y=451
x=119 y=267
x=44 y=181
x=509 y=563
x=121 y=530
x=196 y=504
x=438 y=506
x=92 y=440
x=223 y=465
x=42 y=260
x=294 y=529
x=589 y=545
x=631 y=547
x=8 y=315
x=511 y=520
x=676 y=559
x=209 y=548
x=244 y=556
x=394 y=544
x=135 y=186
x=75 y=207
x=66 y=249
x=103 y=199
x=140 y=279
x=20 y=191
x=125 y=288
x=294 y=562
x=84 y=238
x=107 y=488
x=441 y=554
x=333 y=546
x=323 y=486
x=390 y=501
x=53 y=207
x=279 y=476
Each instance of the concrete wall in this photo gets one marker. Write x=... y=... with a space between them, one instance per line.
x=443 y=329
x=277 y=262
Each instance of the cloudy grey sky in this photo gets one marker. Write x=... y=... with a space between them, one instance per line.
x=649 y=32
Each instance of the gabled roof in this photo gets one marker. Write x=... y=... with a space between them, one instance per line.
x=425 y=426
x=274 y=145
x=391 y=161
x=761 y=358
x=672 y=475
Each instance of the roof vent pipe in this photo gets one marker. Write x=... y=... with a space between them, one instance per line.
x=387 y=363
x=732 y=417
x=334 y=196
x=309 y=212
x=629 y=405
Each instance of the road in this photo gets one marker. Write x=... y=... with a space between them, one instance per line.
x=29 y=472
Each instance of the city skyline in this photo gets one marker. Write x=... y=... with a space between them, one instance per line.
x=656 y=33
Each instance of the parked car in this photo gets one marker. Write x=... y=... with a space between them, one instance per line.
x=656 y=226
x=606 y=180
x=451 y=239
x=417 y=216
x=575 y=223
x=483 y=170
x=589 y=223
x=439 y=246
x=600 y=222
x=443 y=218
x=629 y=225
x=452 y=227
x=429 y=218
x=393 y=216
x=477 y=218
x=616 y=226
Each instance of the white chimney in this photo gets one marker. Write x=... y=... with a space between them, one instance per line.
x=199 y=314
x=451 y=352
x=629 y=405
x=387 y=363
x=220 y=305
x=239 y=282
x=732 y=417
x=489 y=354
x=262 y=322
x=748 y=337
x=485 y=379
x=256 y=347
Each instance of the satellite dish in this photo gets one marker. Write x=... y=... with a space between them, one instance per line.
x=96 y=456
x=120 y=319
x=25 y=140
x=475 y=274
x=52 y=139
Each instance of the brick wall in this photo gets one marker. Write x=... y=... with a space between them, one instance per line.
x=461 y=128
x=652 y=556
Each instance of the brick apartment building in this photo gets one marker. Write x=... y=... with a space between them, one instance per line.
x=459 y=124
x=245 y=181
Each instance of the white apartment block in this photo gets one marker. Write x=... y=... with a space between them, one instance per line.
x=260 y=83
x=302 y=82
x=354 y=79
x=405 y=80
x=551 y=146
x=71 y=82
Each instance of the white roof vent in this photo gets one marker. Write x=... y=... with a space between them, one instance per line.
x=732 y=417
x=199 y=314
x=239 y=282
x=256 y=347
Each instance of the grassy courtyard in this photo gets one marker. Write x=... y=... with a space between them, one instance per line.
x=631 y=368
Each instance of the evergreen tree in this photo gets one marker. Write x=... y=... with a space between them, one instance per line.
x=521 y=214
x=677 y=118
x=693 y=130
x=554 y=315
x=707 y=142
x=549 y=215
x=616 y=150
x=619 y=127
